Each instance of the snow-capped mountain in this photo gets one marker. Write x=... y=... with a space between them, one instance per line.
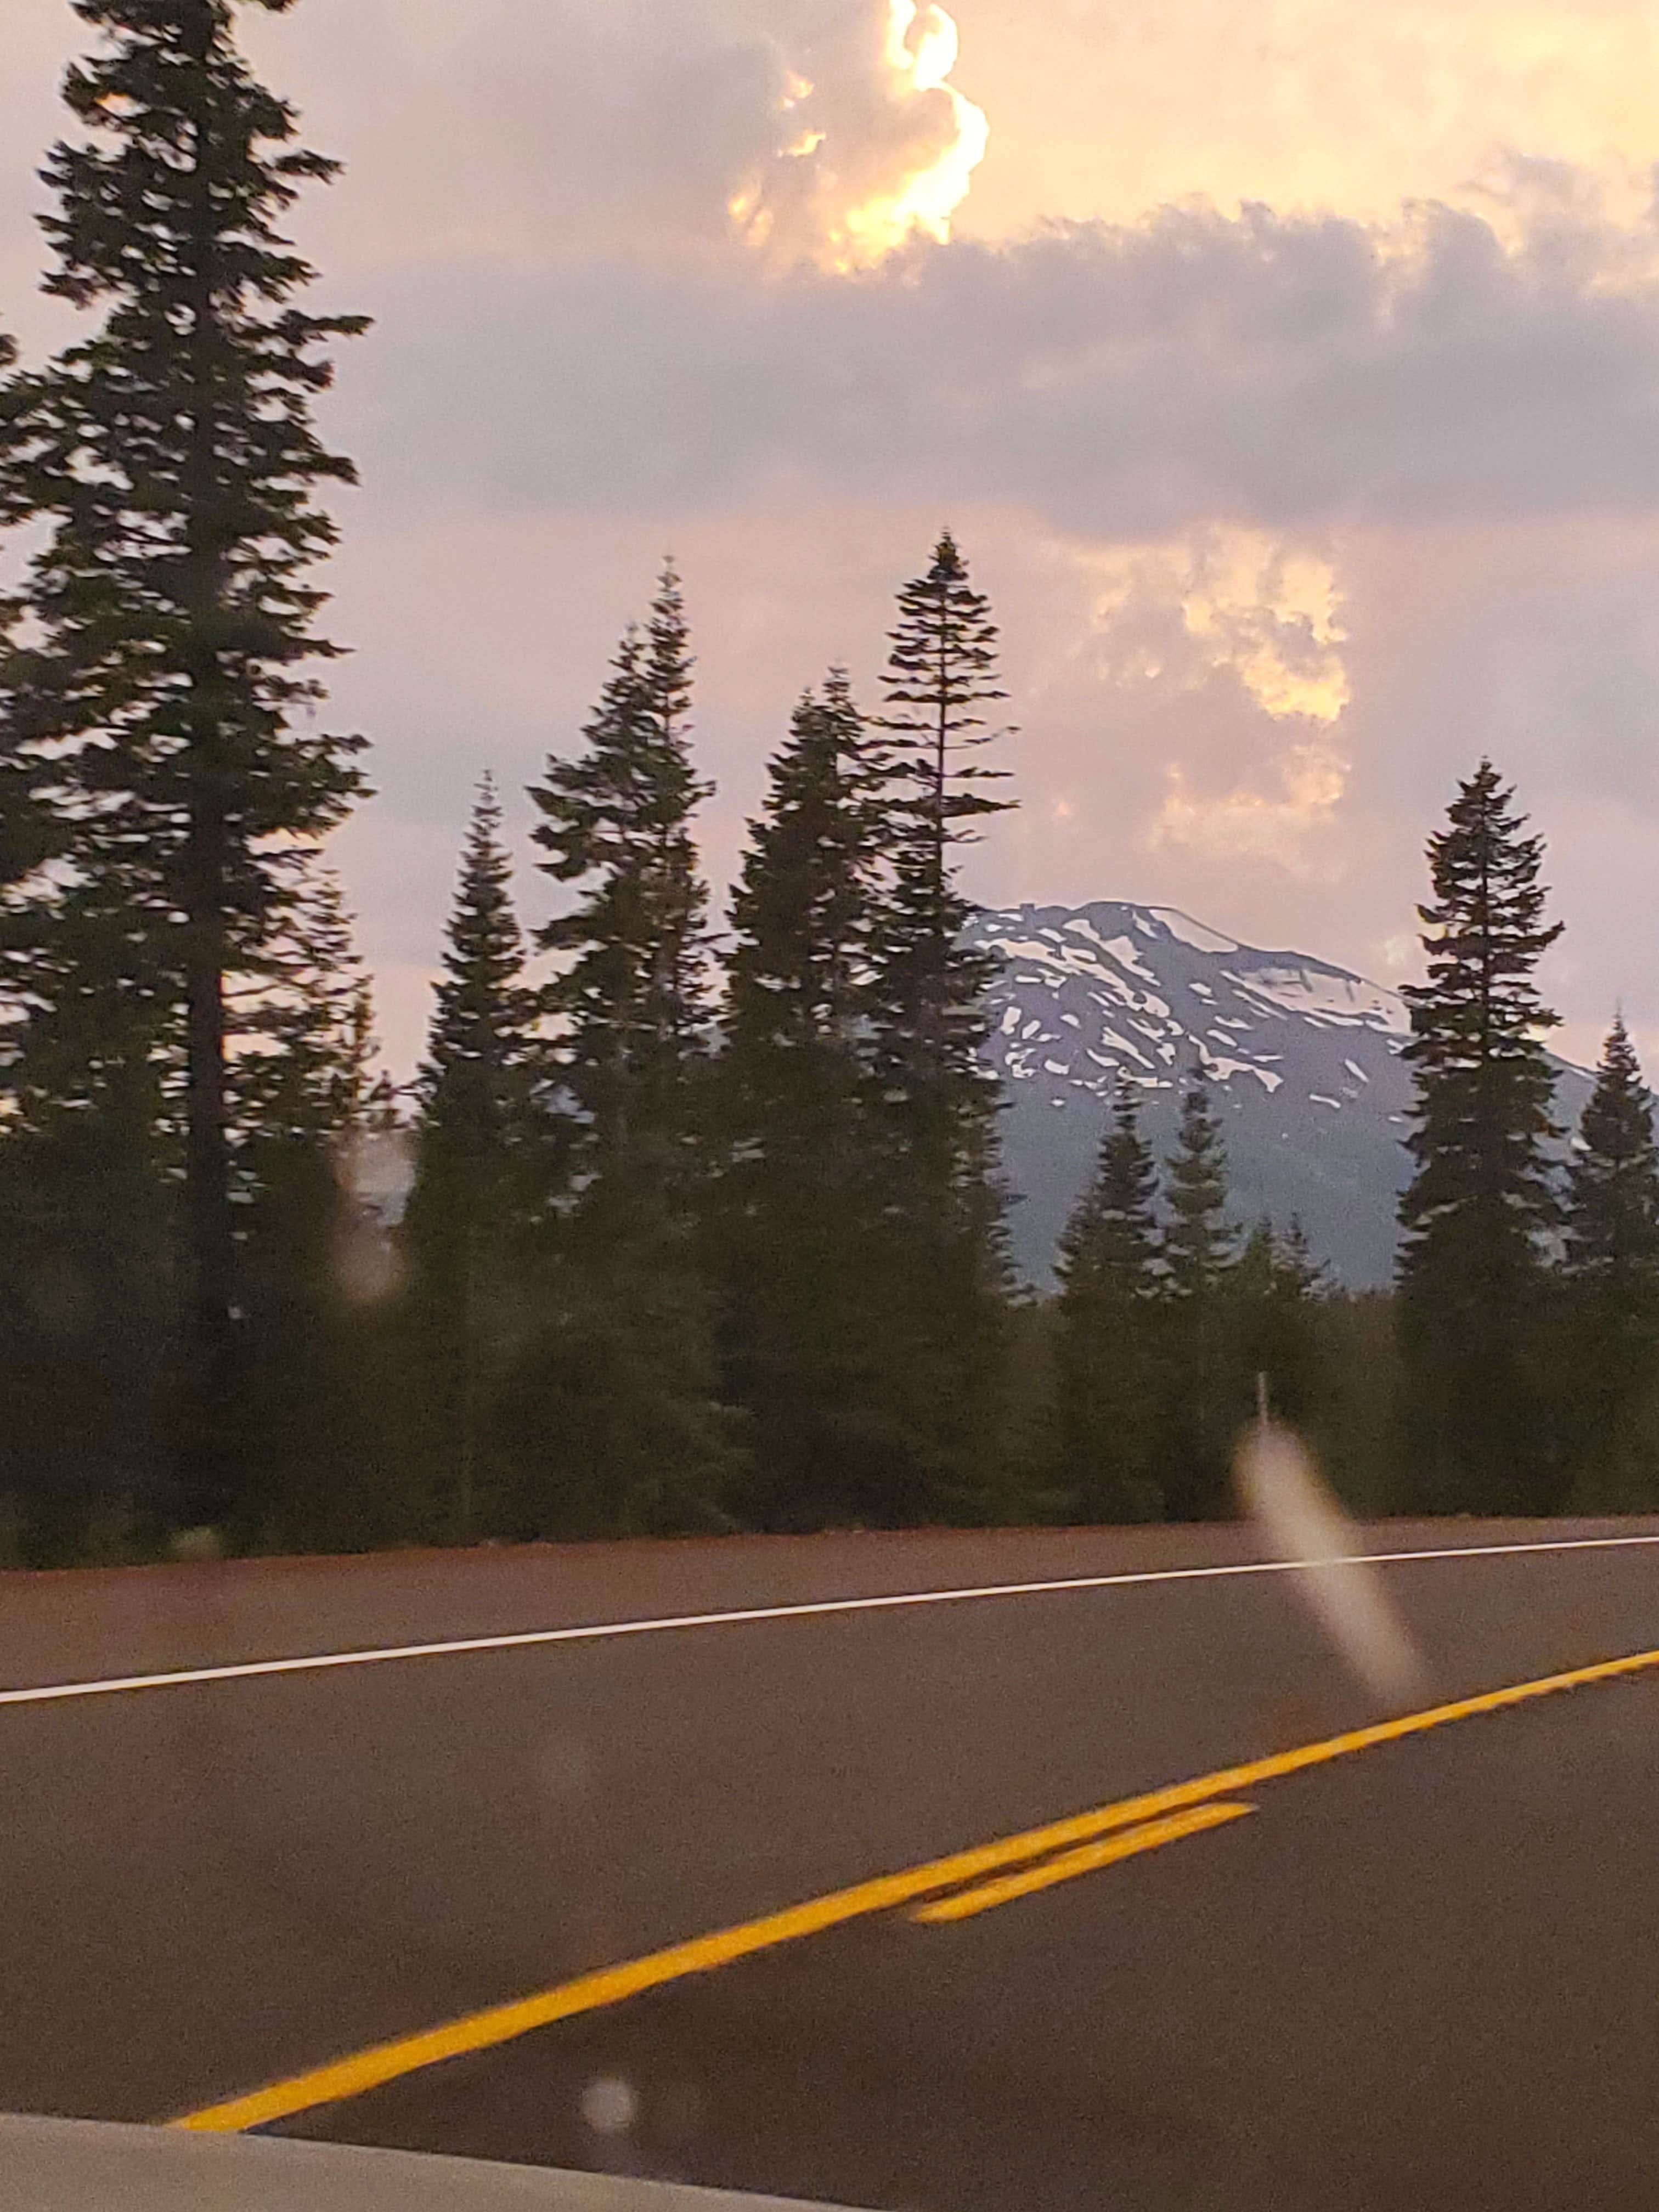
x=1305 y=1058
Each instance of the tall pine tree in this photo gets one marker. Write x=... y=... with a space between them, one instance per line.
x=1200 y=1394
x=943 y=1276
x=792 y=1218
x=300 y=1089
x=1107 y=1335
x=619 y=1410
x=1480 y=1204
x=1611 y=1270
x=1278 y=1297
x=161 y=694
x=475 y=1134
x=941 y=668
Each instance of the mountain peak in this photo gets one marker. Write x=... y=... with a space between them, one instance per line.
x=1304 y=1056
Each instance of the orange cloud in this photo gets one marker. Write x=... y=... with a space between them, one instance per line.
x=876 y=146
x=1108 y=107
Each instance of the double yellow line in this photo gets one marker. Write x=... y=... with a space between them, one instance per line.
x=963 y=1903
x=993 y=1874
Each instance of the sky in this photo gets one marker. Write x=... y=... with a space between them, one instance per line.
x=1288 y=372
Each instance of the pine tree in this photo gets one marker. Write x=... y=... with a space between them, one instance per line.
x=945 y=1273
x=25 y=841
x=161 y=695
x=300 y=1076
x=1480 y=1204
x=299 y=1088
x=476 y=1129
x=1278 y=1293
x=1198 y=1244
x=474 y=1079
x=633 y=997
x=942 y=666
x=1611 y=1267
x=1200 y=1395
x=1613 y=1208
x=87 y=1315
x=794 y=1214
x=797 y=976
x=1106 y=1350
x=621 y=1409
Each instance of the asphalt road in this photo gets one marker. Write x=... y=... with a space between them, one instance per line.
x=1421 y=1974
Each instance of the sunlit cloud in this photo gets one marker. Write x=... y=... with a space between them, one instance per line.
x=1234 y=610
x=1267 y=611
x=1306 y=103
x=1378 y=283
x=876 y=147
x=1247 y=823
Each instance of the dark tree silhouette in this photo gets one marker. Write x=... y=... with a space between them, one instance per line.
x=161 y=694
x=474 y=1140
x=621 y=1396
x=1481 y=1202
x=1108 y=1335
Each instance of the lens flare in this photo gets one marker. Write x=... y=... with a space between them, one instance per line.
x=1279 y=1488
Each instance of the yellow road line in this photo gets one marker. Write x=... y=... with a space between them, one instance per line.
x=386 y=2062
x=963 y=1903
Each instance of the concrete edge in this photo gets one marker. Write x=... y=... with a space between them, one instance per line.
x=96 y=2166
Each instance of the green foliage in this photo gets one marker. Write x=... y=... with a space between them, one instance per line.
x=1277 y=1289
x=938 y=1277
x=87 y=1315
x=1109 y=1335
x=631 y=1002
x=1473 y=1274
x=794 y=1217
x=476 y=1084
x=1158 y=1368
x=619 y=1385
x=158 y=700
x=1612 y=1286
x=476 y=1150
x=928 y=999
x=1612 y=1206
x=303 y=1376
x=1200 y=1244
x=1202 y=1389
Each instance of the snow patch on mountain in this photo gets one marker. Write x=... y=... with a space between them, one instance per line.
x=1304 y=1056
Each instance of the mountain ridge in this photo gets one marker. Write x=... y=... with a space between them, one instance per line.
x=1303 y=1054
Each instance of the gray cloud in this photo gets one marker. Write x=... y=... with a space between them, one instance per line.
x=576 y=364
x=535 y=209
x=531 y=133
x=1280 y=370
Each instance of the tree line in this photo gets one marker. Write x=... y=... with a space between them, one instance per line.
x=704 y=1228
x=1515 y=1367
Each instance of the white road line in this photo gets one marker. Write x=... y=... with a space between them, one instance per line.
x=246 y=1670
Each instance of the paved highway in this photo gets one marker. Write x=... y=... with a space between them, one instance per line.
x=1207 y=1947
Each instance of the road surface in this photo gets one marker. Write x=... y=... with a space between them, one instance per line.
x=1231 y=1958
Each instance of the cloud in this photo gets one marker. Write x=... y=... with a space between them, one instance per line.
x=536 y=133
x=876 y=145
x=1366 y=490
x=1281 y=372
x=1109 y=108
x=1246 y=822
x=1249 y=629
x=1238 y=600
x=538 y=210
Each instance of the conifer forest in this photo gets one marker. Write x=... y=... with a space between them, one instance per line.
x=691 y=1219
